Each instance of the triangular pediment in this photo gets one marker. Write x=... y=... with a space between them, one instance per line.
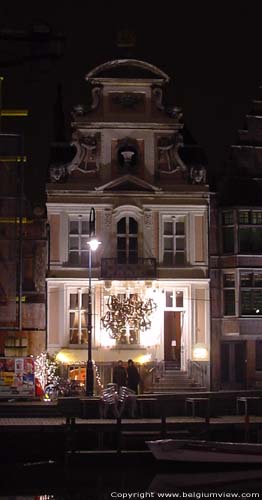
x=128 y=183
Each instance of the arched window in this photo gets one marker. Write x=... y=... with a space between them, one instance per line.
x=127 y=241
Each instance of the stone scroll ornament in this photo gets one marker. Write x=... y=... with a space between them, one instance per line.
x=169 y=158
x=87 y=155
x=81 y=110
x=172 y=111
x=86 y=159
x=132 y=311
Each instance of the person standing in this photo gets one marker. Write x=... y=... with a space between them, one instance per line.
x=133 y=377
x=119 y=375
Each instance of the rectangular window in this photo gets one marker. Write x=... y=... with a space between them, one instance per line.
x=251 y=293
x=227 y=218
x=174 y=298
x=250 y=231
x=78 y=242
x=174 y=242
x=78 y=317
x=228 y=231
x=229 y=294
x=256 y=217
x=244 y=217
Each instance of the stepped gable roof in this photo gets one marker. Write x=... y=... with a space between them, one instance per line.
x=125 y=69
x=240 y=191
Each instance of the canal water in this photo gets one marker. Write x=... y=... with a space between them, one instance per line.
x=138 y=477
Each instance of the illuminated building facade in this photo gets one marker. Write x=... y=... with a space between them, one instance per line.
x=132 y=160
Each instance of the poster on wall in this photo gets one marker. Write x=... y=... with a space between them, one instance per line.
x=17 y=377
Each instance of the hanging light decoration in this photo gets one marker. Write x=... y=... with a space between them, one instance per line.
x=97 y=375
x=131 y=311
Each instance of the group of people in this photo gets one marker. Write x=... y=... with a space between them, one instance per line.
x=126 y=377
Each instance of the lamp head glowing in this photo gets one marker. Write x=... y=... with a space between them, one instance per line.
x=94 y=244
x=200 y=353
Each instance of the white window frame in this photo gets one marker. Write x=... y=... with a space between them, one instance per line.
x=174 y=219
x=127 y=236
x=79 y=219
x=79 y=310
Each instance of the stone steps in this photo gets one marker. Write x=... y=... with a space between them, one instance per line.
x=173 y=390
x=174 y=380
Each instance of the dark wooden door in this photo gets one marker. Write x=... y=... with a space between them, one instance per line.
x=233 y=365
x=172 y=334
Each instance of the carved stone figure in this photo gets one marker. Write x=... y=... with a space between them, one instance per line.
x=198 y=175
x=57 y=173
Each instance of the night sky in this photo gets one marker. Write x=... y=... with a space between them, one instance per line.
x=211 y=51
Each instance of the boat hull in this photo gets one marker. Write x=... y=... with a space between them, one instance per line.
x=203 y=451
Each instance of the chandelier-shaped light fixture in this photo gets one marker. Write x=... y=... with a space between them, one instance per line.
x=131 y=311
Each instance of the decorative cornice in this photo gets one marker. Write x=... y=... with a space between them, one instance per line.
x=92 y=76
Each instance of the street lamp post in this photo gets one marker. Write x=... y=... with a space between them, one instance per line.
x=93 y=246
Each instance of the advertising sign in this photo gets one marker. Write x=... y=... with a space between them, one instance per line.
x=17 y=377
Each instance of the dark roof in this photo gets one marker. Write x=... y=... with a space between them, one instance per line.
x=241 y=191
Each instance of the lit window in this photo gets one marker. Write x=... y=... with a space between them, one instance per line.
x=78 y=242
x=127 y=241
x=78 y=307
x=128 y=334
x=175 y=299
x=174 y=242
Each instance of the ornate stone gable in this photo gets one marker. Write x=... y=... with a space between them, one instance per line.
x=128 y=130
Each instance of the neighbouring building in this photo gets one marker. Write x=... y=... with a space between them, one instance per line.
x=23 y=256
x=236 y=263
x=132 y=163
